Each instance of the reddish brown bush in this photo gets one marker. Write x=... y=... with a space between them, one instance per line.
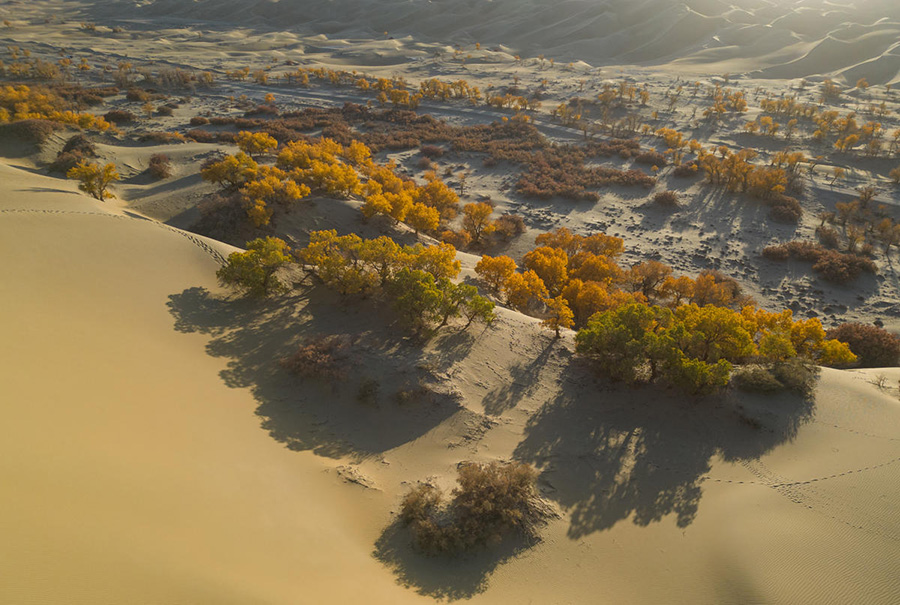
x=686 y=170
x=35 y=132
x=785 y=209
x=199 y=121
x=874 y=346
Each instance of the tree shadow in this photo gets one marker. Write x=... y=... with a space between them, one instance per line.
x=522 y=383
x=611 y=453
x=330 y=417
x=443 y=577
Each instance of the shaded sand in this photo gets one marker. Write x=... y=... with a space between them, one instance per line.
x=152 y=452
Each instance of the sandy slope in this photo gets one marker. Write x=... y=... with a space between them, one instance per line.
x=130 y=472
x=784 y=39
x=152 y=452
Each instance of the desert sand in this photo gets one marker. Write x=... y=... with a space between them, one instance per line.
x=152 y=451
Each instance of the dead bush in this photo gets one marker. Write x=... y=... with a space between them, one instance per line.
x=432 y=151
x=490 y=501
x=199 y=121
x=319 y=357
x=119 y=116
x=509 y=226
x=35 y=132
x=160 y=166
x=666 y=199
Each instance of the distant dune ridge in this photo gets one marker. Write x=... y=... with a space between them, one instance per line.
x=766 y=38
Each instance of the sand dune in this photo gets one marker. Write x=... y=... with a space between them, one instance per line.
x=702 y=35
x=151 y=451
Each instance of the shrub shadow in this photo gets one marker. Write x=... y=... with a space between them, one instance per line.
x=327 y=418
x=443 y=577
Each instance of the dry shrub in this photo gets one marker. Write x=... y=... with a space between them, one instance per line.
x=651 y=158
x=432 y=151
x=160 y=166
x=65 y=161
x=842 y=268
x=262 y=110
x=162 y=138
x=165 y=110
x=666 y=199
x=785 y=209
x=138 y=95
x=509 y=226
x=875 y=347
x=320 y=357
x=491 y=501
x=199 y=121
x=423 y=163
x=794 y=375
x=779 y=252
x=82 y=145
x=828 y=237
x=119 y=116
x=35 y=132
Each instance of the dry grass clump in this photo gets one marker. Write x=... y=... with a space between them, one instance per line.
x=320 y=357
x=199 y=121
x=875 y=347
x=432 y=151
x=490 y=502
x=162 y=137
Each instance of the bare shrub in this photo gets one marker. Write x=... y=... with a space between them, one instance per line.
x=666 y=199
x=432 y=151
x=119 y=116
x=35 y=132
x=491 y=501
x=199 y=121
x=509 y=226
x=320 y=357
x=160 y=166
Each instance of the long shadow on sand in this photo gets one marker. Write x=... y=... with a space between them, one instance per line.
x=609 y=454
x=328 y=419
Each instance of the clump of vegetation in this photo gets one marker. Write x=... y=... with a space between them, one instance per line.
x=875 y=347
x=119 y=116
x=160 y=166
x=666 y=199
x=834 y=266
x=490 y=502
x=35 y=132
x=794 y=375
x=321 y=358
